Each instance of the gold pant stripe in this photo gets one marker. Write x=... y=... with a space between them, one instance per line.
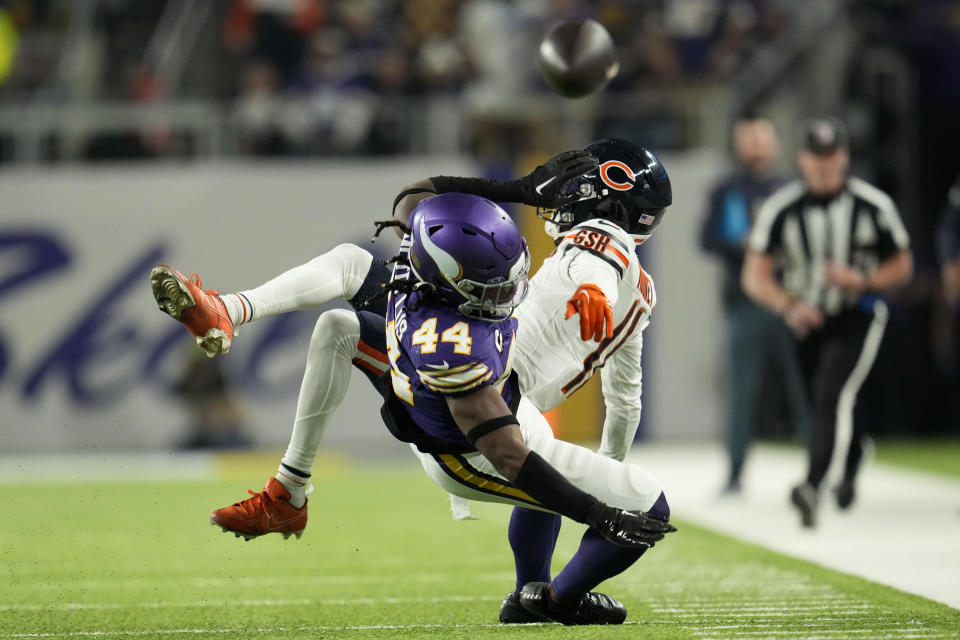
x=458 y=468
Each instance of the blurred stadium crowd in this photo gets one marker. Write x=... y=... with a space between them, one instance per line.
x=88 y=80
x=317 y=77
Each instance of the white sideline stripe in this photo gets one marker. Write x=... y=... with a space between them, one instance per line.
x=72 y=606
x=870 y=612
x=54 y=584
x=108 y=466
x=820 y=636
x=764 y=616
x=782 y=586
x=805 y=635
x=748 y=578
x=835 y=632
x=852 y=608
x=818 y=598
x=897 y=636
x=857 y=542
x=824 y=622
x=669 y=605
x=717 y=627
x=371 y=627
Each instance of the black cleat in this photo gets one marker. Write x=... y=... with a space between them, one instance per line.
x=512 y=612
x=805 y=498
x=844 y=493
x=592 y=608
x=732 y=488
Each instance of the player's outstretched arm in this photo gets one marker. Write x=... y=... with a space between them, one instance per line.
x=542 y=187
x=486 y=420
x=409 y=197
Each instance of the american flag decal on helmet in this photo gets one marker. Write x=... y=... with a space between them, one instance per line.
x=646 y=218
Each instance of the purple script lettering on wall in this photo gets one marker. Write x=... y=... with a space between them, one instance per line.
x=98 y=335
x=35 y=255
x=106 y=350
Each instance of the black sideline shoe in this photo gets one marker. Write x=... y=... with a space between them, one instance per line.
x=805 y=498
x=845 y=493
x=592 y=608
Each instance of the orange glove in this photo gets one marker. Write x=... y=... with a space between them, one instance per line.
x=596 y=316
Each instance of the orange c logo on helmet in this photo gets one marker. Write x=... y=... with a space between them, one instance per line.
x=610 y=182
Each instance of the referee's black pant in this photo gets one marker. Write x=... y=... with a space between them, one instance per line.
x=836 y=359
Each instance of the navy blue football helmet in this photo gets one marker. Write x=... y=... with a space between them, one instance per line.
x=629 y=187
x=471 y=253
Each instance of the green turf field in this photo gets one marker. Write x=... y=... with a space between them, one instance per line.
x=937 y=456
x=381 y=558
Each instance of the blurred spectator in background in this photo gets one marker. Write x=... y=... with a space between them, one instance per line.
x=741 y=28
x=216 y=420
x=757 y=341
x=257 y=112
x=366 y=77
x=277 y=31
x=948 y=253
x=840 y=243
x=948 y=246
x=649 y=57
x=502 y=63
x=154 y=138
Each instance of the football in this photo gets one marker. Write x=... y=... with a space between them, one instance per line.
x=577 y=57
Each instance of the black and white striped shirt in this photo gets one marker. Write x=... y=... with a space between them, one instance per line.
x=860 y=228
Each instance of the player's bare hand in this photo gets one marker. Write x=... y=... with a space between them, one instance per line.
x=840 y=275
x=630 y=528
x=543 y=186
x=802 y=318
x=596 y=316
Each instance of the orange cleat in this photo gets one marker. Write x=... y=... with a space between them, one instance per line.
x=267 y=511
x=201 y=312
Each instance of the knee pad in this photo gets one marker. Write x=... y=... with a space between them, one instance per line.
x=344 y=268
x=354 y=258
x=339 y=328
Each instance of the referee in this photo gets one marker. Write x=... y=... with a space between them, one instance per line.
x=838 y=243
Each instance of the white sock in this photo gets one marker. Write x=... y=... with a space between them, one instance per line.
x=333 y=346
x=337 y=273
x=237 y=308
x=295 y=484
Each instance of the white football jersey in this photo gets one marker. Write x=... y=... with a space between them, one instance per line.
x=550 y=358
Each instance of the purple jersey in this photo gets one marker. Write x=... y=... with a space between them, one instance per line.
x=436 y=352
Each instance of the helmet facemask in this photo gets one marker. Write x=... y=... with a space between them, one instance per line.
x=495 y=301
x=559 y=220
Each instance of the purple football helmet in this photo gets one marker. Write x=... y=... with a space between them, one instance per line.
x=471 y=252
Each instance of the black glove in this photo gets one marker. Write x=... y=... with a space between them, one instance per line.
x=541 y=187
x=628 y=528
